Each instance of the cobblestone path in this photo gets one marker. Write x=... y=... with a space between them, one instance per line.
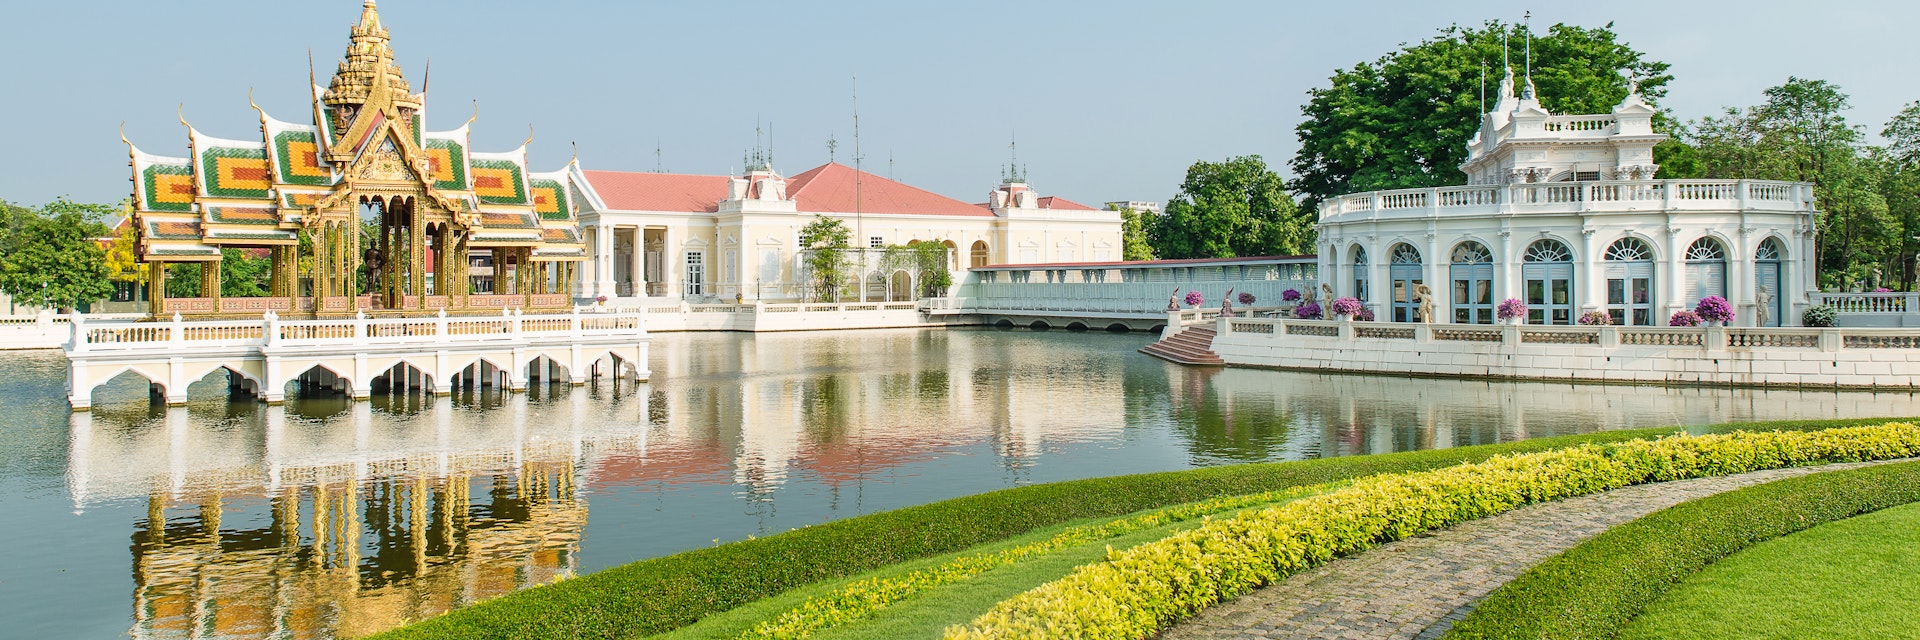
x=1417 y=588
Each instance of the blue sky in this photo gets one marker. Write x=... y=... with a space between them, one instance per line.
x=1109 y=101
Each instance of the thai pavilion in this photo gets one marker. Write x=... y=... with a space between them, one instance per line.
x=362 y=210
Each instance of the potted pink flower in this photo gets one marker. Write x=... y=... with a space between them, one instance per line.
x=1307 y=311
x=1512 y=310
x=1346 y=308
x=1596 y=318
x=1684 y=318
x=1715 y=310
x=1194 y=299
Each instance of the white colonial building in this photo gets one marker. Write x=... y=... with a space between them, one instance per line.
x=1562 y=212
x=727 y=238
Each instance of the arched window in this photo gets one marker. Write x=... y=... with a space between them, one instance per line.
x=1404 y=272
x=1359 y=274
x=979 y=257
x=1472 y=283
x=1768 y=302
x=1629 y=270
x=1547 y=274
x=1706 y=273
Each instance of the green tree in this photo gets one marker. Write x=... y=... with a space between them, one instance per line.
x=1134 y=242
x=927 y=261
x=244 y=273
x=1799 y=133
x=51 y=256
x=1403 y=121
x=825 y=243
x=1902 y=188
x=1229 y=209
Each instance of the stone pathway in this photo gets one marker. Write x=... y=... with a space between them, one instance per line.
x=1419 y=587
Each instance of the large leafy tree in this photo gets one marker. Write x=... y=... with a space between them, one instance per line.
x=51 y=256
x=1134 y=241
x=1799 y=133
x=1403 y=121
x=1228 y=209
x=826 y=243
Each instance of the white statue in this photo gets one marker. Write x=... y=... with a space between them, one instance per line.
x=1424 y=294
x=1763 y=307
x=1327 y=290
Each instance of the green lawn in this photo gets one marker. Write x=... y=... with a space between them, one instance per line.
x=927 y=614
x=1601 y=587
x=1854 y=578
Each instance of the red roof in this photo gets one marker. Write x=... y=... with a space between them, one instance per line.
x=1057 y=202
x=633 y=191
x=828 y=188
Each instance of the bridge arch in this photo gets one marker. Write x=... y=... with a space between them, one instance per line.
x=156 y=385
x=316 y=378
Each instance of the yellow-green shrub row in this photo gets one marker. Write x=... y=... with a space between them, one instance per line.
x=866 y=597
x=1136 y=592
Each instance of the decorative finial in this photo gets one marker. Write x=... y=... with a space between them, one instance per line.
x=529 y=135
x=182 y=112
x=575 y=160
x=476 y=113
x=123 y=133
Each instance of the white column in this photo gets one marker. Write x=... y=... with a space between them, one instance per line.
x=637 y=273
x=1591 y=277
x=603 y=260
x=1674 y=294
x=1740 y=275
x=1506 y=282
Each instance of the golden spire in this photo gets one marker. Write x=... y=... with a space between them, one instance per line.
x=369 y=58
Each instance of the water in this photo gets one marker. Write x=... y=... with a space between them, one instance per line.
x=327 y=518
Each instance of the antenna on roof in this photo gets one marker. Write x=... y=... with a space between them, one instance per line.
x=889 y=164
x=832 y=144
x=658 y=167
x=859 y=232
x=1527 y=19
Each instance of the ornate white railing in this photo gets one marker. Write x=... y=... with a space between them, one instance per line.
x=270 y=331
x=1562 y=197
x=1707 y=338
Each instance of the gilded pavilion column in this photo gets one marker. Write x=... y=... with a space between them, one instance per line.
x=321 y=265
x=351 y=265
x=461 y=283
x=157 y=287
x=210 y=282
x=417 y=254
x=523 y=273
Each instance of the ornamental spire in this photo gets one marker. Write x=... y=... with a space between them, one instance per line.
x=369 y=57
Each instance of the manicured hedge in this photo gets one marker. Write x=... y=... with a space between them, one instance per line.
x=1595 y=589
x=1138 y=591
x=661 y=594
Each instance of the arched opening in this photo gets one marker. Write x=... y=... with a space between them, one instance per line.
x=876 y=286
x=128 y=387
x=1769 y=305
x=1405 y=273
x=1472 y=275
x=1157 y=329
x=1076 y=326
x=978 y=257
x=1003 y=323
x=900 y=286
x=227 y=383
x=1118 y=328
x=1629 y=266
x=1547 y=273
x=480 y=375
x=953 y=255
x=542 y=370
x=1706 y=273
x=1039 y=325
x=402 y=379
x=1359 y=274
x=318 y=382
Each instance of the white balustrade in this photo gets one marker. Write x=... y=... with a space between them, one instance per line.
x=1591 y=196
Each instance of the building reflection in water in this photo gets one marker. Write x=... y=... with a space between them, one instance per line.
x=330 y=518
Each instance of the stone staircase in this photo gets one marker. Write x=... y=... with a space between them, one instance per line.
x=1193 y=346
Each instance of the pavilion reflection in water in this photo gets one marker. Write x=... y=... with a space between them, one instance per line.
x=275 y=524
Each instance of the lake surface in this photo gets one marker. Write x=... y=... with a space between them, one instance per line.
x=328 y=518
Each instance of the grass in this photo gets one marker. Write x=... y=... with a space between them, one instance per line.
x=661 y=594
x=1596 y=589
x=927 y=614
x=1854 y=578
